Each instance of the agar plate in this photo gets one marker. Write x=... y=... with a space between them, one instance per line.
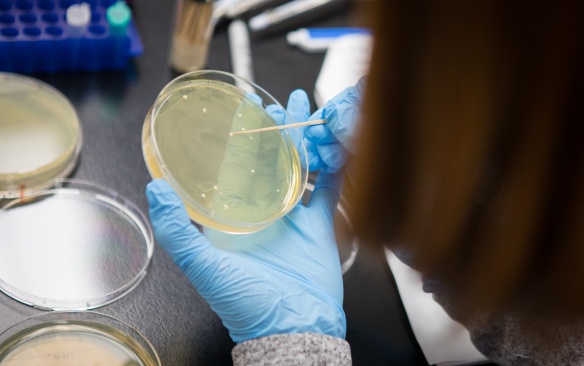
x=40 y=136
x=75 y=338
x=237 y=184
x=73 y=247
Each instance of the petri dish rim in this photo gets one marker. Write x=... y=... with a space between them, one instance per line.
x=60 y=167
x=169 y=176
x=236 y=87
x=103 y=196
x=24 y=327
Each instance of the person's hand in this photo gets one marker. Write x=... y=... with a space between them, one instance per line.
x=329 y=145
x=283 y=279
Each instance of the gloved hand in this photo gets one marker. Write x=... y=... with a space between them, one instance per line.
x=329 y=145
x=283 y=279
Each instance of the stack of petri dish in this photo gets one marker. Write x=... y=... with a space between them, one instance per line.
x=65 y=245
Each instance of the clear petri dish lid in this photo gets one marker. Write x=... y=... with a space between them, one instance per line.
x=75 y=246
x=75 y=338
x=40 y=135
x=232 y=183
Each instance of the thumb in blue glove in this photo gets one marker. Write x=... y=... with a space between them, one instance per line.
x=335 y=140
x=283 y=279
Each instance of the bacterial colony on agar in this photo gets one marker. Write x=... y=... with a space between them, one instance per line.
x=225 y=180
x=74 y=344
x=39 y=135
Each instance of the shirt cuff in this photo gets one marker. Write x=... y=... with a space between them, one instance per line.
x=293 y=349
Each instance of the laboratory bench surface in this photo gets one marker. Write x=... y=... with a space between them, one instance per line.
x=182 y=328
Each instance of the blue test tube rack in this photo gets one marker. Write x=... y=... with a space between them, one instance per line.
x=34 y=37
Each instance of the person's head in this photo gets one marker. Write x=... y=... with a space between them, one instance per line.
x=471 y=151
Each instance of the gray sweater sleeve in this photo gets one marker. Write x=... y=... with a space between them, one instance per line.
x=509 y=341
x=293 y=349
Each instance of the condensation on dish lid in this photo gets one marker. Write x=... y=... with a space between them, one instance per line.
x=73 y=247
x=82 y=338
x=40 y=136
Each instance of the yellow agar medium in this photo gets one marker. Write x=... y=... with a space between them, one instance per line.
x=74 y=343
x=229 y=183
x=39 y=135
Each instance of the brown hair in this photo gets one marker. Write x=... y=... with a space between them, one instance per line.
x=471 y=153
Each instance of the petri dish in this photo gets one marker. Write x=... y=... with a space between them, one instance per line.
x=75 y=338
x=75 y=246
x=236 y=184
x=40 y=135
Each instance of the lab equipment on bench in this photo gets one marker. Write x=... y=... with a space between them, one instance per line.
x=78 y=17
x=236 y=8
x=240 y=50
x=39 y=36
x=191 y=34
x=346 y=61
x=319 y=39
x=239 y=183
x=292 y=12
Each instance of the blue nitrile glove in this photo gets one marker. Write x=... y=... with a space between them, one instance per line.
x=329 y=145
x=283 y=279
x=299 y=109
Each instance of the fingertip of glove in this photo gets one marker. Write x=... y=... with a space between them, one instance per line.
x=316 y=133
x=299 y=93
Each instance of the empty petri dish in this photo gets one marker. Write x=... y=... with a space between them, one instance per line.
x=74 y=246
x=232 y=183
x=75 y=338
x=40 y=136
